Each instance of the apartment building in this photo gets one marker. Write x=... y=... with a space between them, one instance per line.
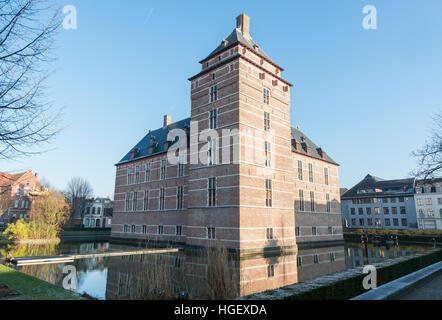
x=428 y=200
x=379 y=203
x=98 y=213
x=258 y=183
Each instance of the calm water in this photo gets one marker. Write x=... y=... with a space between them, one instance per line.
x=203 y=276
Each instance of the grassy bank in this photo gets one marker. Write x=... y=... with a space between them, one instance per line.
x=421 y=236
x=34 y=288
x=78 y=233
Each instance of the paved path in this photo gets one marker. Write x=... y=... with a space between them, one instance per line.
x=428 y=290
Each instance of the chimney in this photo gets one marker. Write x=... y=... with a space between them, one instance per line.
x=243 y=24
x=167 y=120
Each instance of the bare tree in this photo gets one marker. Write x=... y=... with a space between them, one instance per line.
x=78 y=190
x=27 y=118
x=430 y=156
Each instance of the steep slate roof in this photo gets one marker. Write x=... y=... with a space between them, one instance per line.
x=238 y=37
x=405 y=186
x=314 y=149
x=160 y=137
x=7 y=179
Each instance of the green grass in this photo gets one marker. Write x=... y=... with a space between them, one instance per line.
x=34 y=288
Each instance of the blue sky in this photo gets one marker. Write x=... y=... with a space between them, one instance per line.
x=365 y=96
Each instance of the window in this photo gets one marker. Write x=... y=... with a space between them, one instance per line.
x=377 y=211
x=126 y=228
x=127 y=206
x=144 y=229
x=214 y=75
x=439 y=200
x=353 y=211
x=147 y=174
x=393 y=200
x=162 y=199
x=163 y=169
x=269 y=195
x=328 y=203
x=146 y=201
x=266 y=96
x=93 y=209
x=129 y=176
x=404 y=222
x=360 y=211
x=268 y=154
x=213 y=93
x=27 y=204
x=326 y=176
x=370 y=222
x=211 y=153
x=299 y=261
x=330 y=230
x=180 y=169
x=394 y=210
x=403 y=210
x=353 y=222
x=137 y=174
x=300 y=170
x=212 y=192
x=361 y=222
x=386 y=210
x=86 y=223
x=134 y=203
x=266 y=121
x=271 y=271
x=401 y=199
x=213 y=119
x=180 y=196
x=385 y=200
x=160 y=229
x=179 y=230
x=310 y=172
x=430 y=212
x=98 y=210
x=269 y=233
x=428 y=201
x=332 y=256
x=23 y=204
x=211 y=233
x=301 y=200
x=387 y=222
x=133 y=228
x=378 y=222
x=368 y=211
x=298 y=231
x=420 y=202
x=314 y=231
x=315 y=259
x=312 y=201
x=396 y=222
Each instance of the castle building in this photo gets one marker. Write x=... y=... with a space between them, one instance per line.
x=15 y=198
x=246 y=178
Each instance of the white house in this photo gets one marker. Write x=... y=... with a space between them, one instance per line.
x=428 y=200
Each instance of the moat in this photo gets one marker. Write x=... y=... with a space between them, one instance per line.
x=204 y=275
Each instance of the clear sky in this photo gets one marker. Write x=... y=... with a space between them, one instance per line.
x=365 y=96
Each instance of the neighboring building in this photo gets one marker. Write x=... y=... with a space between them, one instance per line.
x=98 y=213
x=15 y=192
x=246 y=204
x=378 y=203
x=428 y=199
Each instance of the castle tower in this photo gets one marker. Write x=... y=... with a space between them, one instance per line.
x=242 y=198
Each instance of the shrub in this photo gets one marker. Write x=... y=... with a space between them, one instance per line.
x=31 y=230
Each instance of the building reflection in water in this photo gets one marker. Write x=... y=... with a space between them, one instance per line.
x=202 y=276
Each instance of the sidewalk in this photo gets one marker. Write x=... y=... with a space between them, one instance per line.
x=428 y=290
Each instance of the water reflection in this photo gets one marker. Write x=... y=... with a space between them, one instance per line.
x=199 y=275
